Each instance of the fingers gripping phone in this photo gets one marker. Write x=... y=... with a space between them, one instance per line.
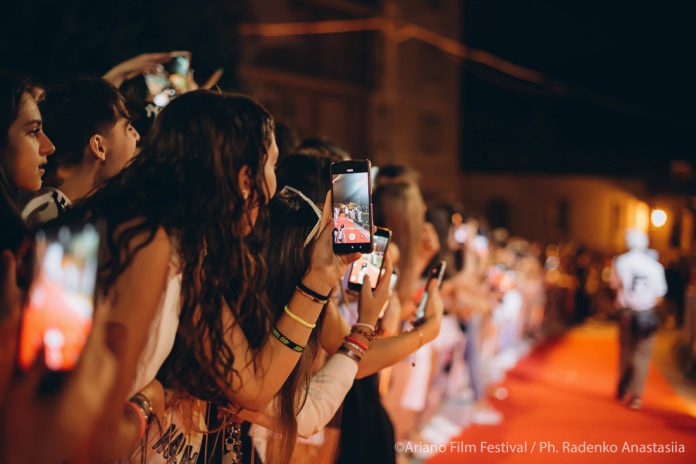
x=60 y=305
x=437 y=272
x=351 y=190
x=370 y=264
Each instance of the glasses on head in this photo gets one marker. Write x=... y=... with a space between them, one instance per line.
x=315 y=230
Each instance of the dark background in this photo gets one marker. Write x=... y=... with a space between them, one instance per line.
x=626 y=104
x=630 y=98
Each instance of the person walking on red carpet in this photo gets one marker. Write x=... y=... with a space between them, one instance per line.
x=639 y=280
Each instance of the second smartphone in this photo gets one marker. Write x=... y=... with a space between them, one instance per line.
x=370 y=264
x=351 y=190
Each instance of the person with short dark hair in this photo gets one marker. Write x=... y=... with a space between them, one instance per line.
x=91 y=126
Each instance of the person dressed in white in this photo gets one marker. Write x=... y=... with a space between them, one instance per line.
x=639 y=280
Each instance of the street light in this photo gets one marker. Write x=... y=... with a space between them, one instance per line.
x=658 y=217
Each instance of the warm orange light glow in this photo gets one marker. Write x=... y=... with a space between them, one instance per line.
x=642 y=216
x=658 y=217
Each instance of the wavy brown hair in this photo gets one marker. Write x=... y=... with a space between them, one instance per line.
x=185 y=181
x=291 y=220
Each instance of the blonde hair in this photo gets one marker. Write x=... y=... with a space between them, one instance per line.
x=400 y=207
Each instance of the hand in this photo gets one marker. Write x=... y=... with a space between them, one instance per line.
x=145 y=63
x=10 y=314
x=433 y=313
x=60 y=423
x=392 y=317
x=326 y=268
x=372 y=303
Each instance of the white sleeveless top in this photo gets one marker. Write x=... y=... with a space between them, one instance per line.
x=162 y=328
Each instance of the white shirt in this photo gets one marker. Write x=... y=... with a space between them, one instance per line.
x=640 y=280
x=327 y=390
x=46 y=206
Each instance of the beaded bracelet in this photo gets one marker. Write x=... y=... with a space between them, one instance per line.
x=286 y=341
x=368 y=335
x=298 y=319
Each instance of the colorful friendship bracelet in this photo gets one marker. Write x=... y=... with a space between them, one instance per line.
x=298 y=319
x=286 y=341
x=368 y=335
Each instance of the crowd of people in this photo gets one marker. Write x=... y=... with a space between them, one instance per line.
x=223 y=330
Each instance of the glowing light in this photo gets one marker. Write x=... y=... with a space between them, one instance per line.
x=658 y=217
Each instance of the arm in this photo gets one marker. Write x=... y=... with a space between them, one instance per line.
x=327 y=390
x=147 y=62
x=134 y=300
x=261 y=375
x=385 y=352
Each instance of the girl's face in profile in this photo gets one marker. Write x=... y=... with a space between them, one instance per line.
x=27 y=148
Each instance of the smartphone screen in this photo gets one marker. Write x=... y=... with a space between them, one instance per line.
x=60 y=306
x=371 y=263
x=437 y=272
x=352 y=206
x=170 y=80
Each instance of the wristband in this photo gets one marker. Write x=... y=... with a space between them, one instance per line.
x=354 y=347
x=311 y=293
x=368 y=335
x=369 y=327
x=286 y=341
x=351 y=354
x=361 y=345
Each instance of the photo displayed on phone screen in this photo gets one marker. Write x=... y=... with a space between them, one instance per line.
x=370 y=264
x=60 y=306
x=351 y=210
x=170 y=79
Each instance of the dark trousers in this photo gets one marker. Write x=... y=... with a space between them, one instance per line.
x=635 y=353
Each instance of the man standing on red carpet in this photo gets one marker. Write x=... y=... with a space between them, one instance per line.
x=639 y=280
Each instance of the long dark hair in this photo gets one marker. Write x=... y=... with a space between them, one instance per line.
x=185 y=181
x=13 y=230
x=291 y=220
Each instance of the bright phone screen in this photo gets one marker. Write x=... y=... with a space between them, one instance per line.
x=60 y=307
x=370 y=264
x=351 y=204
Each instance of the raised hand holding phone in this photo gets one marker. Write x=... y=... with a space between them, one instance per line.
x=435 y=275
x=372 y=302
x=326 y=267
x=432 y=317
x=351 y=209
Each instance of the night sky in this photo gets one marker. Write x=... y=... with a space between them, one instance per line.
x=628 y=67
x=627 y=108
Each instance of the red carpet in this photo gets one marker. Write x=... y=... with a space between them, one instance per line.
x=564 y=392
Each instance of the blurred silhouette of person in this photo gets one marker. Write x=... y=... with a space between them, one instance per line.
x=639 y=280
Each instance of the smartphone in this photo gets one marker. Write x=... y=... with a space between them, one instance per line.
x=370 y=263
x=60 y=305
x=352 y=206
x=170 y=79
x=437 y=272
